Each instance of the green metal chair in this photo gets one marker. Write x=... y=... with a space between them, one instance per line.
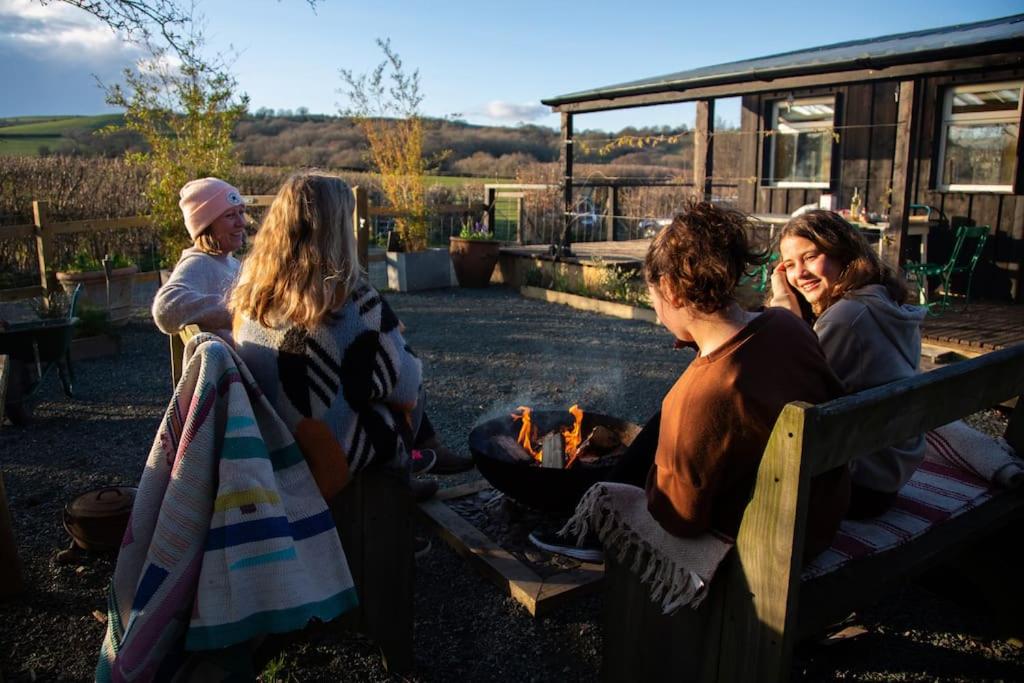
x=959 y=262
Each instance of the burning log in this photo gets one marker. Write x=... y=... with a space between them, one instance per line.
x=603 y=439
x=507 y=448
x=553 y=449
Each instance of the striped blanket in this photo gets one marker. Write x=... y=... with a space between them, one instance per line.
x=229 y=537
x=962 y=469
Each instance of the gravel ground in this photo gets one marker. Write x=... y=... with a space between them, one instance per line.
x=484 y=352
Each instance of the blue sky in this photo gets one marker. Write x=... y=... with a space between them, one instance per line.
x=491 y=64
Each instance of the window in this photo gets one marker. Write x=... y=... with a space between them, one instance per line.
x=978 y=143
x=800 y=150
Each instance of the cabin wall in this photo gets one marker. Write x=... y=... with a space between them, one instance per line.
x=866 y=123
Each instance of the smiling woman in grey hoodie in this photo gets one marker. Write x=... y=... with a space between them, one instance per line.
x=832 y=278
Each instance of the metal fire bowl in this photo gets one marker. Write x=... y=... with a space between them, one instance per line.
x=549 y=489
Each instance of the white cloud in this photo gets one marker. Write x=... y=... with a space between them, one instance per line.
x=58 y=32
x=509 y=111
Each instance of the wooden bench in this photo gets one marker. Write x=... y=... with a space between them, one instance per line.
x=373 y=515
x=758 y=606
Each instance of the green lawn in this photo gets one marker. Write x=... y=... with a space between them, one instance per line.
x=25 y=146
x=55 y=126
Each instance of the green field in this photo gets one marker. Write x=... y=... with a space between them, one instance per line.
x=24 y=135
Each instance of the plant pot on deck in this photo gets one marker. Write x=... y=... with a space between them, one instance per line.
x=417 y=270
x=473 y=260
x=94 y=290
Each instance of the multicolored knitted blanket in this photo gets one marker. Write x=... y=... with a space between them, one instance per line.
x=229 y=537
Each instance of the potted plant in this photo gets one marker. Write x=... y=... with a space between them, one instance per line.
x=474 y=254
x=93 y=274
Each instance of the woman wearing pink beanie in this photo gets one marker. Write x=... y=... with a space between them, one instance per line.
x=196 y=293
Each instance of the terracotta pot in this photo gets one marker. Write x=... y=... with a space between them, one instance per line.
x=473 y=260
x=94 y=290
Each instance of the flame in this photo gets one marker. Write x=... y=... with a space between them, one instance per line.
x=528 y=434
x=572 y=436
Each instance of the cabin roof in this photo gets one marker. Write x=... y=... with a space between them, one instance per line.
x=984 y=37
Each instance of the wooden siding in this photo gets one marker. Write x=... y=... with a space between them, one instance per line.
x=866 y=122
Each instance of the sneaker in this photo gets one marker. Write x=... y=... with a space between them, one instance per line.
x=422 y=460
x=590 y=551
x=423 y=489
x=448 y=461
x=420 y=545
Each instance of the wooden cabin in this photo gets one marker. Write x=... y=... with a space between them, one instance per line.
x=924 y=119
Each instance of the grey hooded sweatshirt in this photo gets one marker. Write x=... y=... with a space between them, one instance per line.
x=871 y=340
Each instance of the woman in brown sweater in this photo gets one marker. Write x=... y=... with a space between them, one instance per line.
x=716 y=419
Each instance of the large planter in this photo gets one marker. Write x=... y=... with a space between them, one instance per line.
x=418 y=270
x=473 y=260
x=94 y=290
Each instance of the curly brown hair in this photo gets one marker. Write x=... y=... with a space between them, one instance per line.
x=702 y=255
x=859 y=263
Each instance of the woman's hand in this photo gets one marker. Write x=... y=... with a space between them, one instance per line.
x=783 y=295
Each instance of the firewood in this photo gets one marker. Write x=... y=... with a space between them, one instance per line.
x=507 y=448
x=604 y=439
x=554 y=450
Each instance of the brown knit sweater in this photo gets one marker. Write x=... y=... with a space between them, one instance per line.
x=716 y=420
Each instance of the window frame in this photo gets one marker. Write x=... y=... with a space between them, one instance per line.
x=773 y=120
x=947 y=117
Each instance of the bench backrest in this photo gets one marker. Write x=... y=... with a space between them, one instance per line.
x=764 y=580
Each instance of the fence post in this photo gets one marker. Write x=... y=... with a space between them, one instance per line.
x=44 y=246
x=361 y=223
x=490 y=198
x=611 y=212
x=520 y=220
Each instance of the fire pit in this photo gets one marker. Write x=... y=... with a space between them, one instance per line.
x=553 y=482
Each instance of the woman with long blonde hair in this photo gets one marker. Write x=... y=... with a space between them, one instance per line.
x=322 y=344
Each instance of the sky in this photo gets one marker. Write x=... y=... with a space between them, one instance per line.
x=482 y=62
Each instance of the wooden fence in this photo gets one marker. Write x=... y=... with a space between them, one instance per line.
x=43 y=231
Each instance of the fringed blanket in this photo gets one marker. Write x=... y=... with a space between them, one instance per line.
x=677 y=570
x=229 y=537
x=962 y=469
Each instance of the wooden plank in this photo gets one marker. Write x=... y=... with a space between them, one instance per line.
x=748 y=170
x=556 y=590
x=1004 y=60
x=566 y=159
x=895 y=234
x=879 y=417
x=44 y=247
x=462 y=490
x=855 y=145
x=10 y=232
x=491 y=560
x=100 y=225
x=758 y=632
x=882 y=146
x=704 y=149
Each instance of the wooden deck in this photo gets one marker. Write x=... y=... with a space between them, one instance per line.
x=984 y=326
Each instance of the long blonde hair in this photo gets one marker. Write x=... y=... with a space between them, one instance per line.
x=303 y=261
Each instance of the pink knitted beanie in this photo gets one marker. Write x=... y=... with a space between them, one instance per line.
x=203 y=200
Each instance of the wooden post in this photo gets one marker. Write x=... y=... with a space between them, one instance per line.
x=520 y=220
x=908 y=123
x=490 y=198
x=611 y=211
x=566 y=154
x=44 y=247
x=11 y=582
x=361 y=223
x=703 y=149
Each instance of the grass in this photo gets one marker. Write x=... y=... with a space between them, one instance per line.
x=25 y=135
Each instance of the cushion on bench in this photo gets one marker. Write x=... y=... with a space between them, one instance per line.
x=962 y=469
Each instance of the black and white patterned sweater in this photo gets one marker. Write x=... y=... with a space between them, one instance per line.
x=345 y=381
